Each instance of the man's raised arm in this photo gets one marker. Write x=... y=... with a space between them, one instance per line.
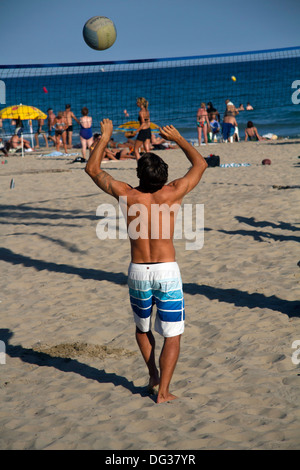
x=199 y=165
x=93 y=167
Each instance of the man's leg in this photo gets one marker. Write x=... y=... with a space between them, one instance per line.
x=146 y=344
x=70 y=135
x=167 y=362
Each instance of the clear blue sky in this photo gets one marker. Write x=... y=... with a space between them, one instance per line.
x=40 y=31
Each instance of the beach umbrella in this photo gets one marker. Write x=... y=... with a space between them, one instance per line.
x=22 y=112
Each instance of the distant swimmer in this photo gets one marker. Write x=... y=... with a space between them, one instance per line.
x=249 y=107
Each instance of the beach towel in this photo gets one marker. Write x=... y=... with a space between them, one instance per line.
x=234 y=165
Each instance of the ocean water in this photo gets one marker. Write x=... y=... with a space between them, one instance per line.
x=174 y=88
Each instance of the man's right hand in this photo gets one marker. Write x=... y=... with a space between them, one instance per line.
x=106 y=129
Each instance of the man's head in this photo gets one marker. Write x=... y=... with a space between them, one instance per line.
x=152 y=172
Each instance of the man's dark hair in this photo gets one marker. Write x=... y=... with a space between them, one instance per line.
x=152 y=172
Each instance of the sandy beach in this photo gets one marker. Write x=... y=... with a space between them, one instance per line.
x=73 y=376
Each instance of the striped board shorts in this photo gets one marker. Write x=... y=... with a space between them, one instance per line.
x=157 y=284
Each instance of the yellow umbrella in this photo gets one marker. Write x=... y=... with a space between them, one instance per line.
x=22 y=112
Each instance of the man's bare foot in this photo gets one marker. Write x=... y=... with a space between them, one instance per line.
x=153 y=385
x=163 y=398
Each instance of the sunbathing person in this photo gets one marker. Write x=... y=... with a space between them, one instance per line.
x=113 y=153
x=15 y=143
x=251 y=132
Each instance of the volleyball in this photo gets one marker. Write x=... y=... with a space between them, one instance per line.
x=99 y=33
x=233 y=78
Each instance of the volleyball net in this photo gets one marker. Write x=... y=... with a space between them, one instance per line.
x=174 y=87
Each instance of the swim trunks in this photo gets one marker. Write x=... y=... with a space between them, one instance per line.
x=157 y=284
x=144 y=134
x=69 y=130
x=227 y=130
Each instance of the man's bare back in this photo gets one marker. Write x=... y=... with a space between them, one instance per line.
x=149 y=249
x=156 y=215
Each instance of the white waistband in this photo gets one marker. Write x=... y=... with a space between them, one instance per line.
x=153 y=267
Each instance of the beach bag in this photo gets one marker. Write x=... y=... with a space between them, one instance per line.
x=213 y=160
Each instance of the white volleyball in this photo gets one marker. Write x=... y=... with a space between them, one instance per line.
x=99 y=33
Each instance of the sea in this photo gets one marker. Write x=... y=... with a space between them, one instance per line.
x=174 y=87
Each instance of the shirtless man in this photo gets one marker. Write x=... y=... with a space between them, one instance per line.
x=229 y=126
x=51 y=124
x=69 y=115
x=153 y=274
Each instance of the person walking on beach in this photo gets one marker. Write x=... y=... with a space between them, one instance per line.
x=231 y=112
x=202 y=123
x=41 y=131
x=60 y=131
x=86 y=133
x=153 y=275
x=69 y=115
x=228 y=128
x=51 y=125
x=144 y=131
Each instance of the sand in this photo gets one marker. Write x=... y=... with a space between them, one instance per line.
x=73 y=377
